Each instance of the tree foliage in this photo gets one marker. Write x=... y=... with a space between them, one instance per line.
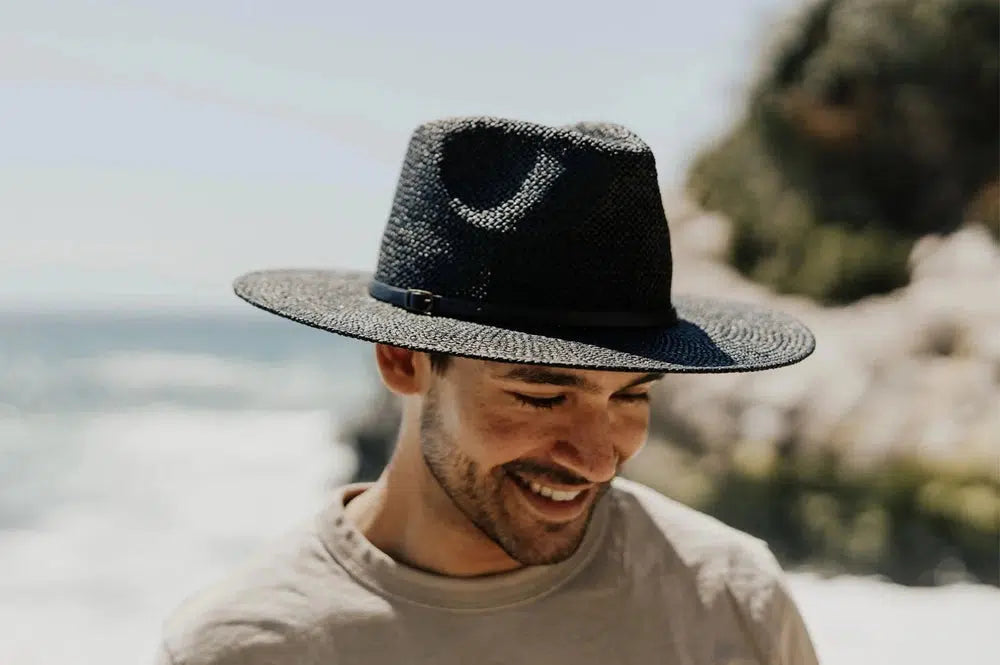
x=874 y=123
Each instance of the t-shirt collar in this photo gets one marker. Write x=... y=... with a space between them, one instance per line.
x=387 y=577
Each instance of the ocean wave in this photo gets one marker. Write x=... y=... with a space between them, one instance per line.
x=127 y=378
x=131 y=510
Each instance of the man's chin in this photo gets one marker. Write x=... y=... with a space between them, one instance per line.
x=545 y=556
x=546 y=544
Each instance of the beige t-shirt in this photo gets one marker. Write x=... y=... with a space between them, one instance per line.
x=652 y=582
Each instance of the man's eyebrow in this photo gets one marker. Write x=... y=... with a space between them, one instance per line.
x=530 y=374
x=544 y=375
x=648 y=378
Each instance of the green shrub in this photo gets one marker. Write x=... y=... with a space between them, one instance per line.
x=874 y=124
x=911 y=522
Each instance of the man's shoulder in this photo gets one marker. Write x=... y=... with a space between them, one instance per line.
x=695 y=533
x=267 y=610
x=733 y=575
x=717 y=556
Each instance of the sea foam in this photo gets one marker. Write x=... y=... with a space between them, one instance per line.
x=156 y=503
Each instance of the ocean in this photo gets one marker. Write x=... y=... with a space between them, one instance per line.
x=143 y=455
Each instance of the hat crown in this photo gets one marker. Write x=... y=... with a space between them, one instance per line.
x=517 y=214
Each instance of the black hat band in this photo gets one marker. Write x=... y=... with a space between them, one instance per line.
x=419 y=301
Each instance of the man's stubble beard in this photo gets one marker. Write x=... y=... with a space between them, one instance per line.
x=481 y=499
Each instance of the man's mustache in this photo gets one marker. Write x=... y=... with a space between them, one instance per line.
x=555 y=474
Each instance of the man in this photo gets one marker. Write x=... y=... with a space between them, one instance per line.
x=521 y=308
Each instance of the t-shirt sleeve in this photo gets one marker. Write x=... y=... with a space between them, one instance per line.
x=772 y=617
x=794 y=645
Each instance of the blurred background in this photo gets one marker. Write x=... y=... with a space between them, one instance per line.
x=838 y=160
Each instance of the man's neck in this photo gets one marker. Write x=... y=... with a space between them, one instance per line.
x=407 y=515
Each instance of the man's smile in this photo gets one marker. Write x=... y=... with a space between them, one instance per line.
x=551 y=504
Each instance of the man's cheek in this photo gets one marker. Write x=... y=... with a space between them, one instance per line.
x=510 y=435
x=634 y=439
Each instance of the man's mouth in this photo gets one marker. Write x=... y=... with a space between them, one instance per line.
x=546 y=491
x=552 y=503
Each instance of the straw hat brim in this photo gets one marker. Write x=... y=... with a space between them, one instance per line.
x=710 y=335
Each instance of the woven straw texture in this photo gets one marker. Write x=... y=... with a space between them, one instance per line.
x=712 y=336
x=514 y=214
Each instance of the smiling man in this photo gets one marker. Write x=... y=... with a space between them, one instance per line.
x=522 y=309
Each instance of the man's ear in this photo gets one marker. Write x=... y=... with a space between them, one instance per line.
x=403 y=371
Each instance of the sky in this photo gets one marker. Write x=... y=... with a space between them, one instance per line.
x=150 y=152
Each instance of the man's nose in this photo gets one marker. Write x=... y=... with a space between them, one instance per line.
x=588 y=448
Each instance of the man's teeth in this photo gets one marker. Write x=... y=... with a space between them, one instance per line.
x=555 y=495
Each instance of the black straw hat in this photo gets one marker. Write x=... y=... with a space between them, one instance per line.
x=523 y=243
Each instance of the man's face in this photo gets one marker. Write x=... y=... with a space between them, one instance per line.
x=525 y=452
